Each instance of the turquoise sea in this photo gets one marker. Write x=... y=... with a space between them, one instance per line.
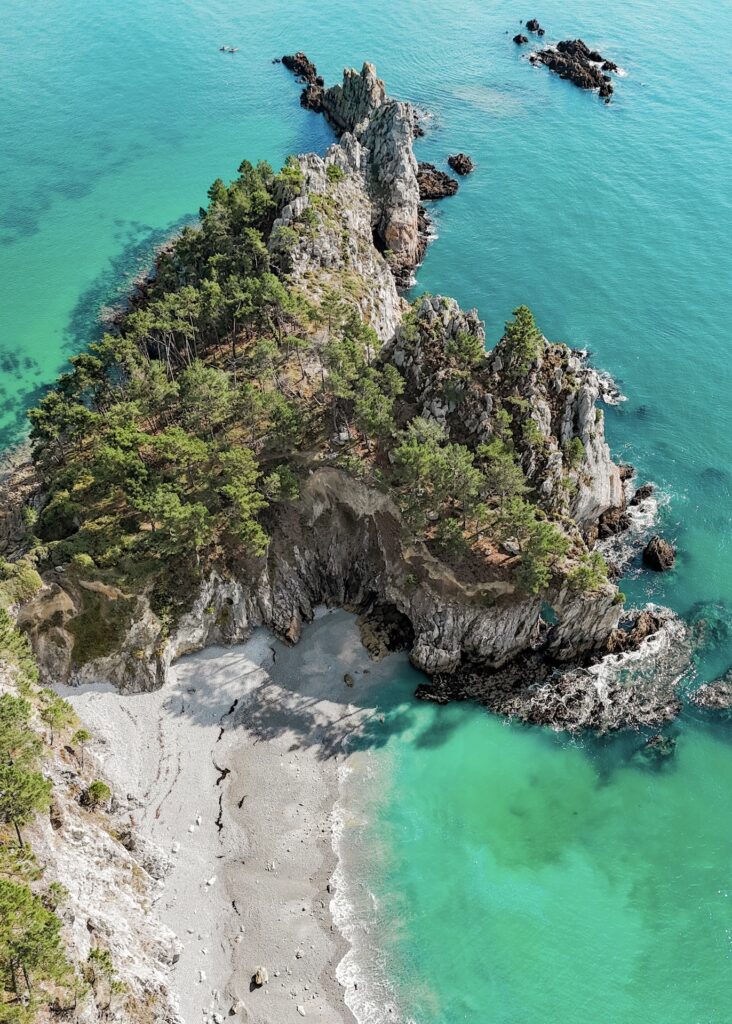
x=512 y=876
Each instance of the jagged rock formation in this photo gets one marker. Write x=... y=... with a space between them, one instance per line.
x=385 y=129
x=340 y=247
x=599 y=697
x=303 y=68
x=461 y=163
x=433 y=183
x=659 y=555
x=574 y=60
x=560 y=391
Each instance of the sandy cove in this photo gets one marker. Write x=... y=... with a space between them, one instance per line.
x=233 y=771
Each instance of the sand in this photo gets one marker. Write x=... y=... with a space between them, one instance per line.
x=233 y=770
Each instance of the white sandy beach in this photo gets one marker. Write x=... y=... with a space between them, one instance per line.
x=234 y=769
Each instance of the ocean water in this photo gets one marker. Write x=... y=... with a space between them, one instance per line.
x=505 y=875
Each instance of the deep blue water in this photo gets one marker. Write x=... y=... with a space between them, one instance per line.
x=613 y=224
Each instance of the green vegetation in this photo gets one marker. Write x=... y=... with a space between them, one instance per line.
x=590 y=574
x=32 y=957
x=19 y=581
x=167 y=447
x=521 y=343
x=574 y=452
x=80 y=739
x=335 y=173
x=96 y=794
x=34 y=970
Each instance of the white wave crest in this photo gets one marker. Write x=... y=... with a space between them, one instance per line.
x=354 y=909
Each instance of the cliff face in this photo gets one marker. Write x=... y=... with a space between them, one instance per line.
x=343 y=544
x=338 y=248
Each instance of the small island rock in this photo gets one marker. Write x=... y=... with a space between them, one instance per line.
x=658 y=554
x=461 y=163
x=520 y=40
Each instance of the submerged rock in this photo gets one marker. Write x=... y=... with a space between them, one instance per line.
x=658 y=554
x=656 y=751
x=716 y=696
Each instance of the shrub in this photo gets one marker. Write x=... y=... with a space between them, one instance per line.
x=95 y=794
x=19 y=581
x=335 y=173
x=573 y=452
x=590 y=574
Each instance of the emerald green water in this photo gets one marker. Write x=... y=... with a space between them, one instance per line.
x=504 y=874
x=524 y=878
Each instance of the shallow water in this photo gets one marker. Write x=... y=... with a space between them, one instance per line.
x=514 y=876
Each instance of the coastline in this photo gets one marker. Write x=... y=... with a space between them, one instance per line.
x=234 y=773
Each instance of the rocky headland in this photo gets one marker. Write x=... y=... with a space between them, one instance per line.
x=388 y=462
x=271 y=428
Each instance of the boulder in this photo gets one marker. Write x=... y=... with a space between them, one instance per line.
x=533 y=25
x=658 y=554
x=642 y=493
x=461 y=163
x=520 y=40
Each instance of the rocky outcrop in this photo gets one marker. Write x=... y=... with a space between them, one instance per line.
x=385 y=129
x=333 y=220
x=642 y=494
x=303 y=68
x=626 y=691
x=342 y=544
x=461 y=163
x=573 y=60
x=533 y=26
x=433 y=183
x=658 y=554
x=20 y=487
x=560 y=394
x=520 y=39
